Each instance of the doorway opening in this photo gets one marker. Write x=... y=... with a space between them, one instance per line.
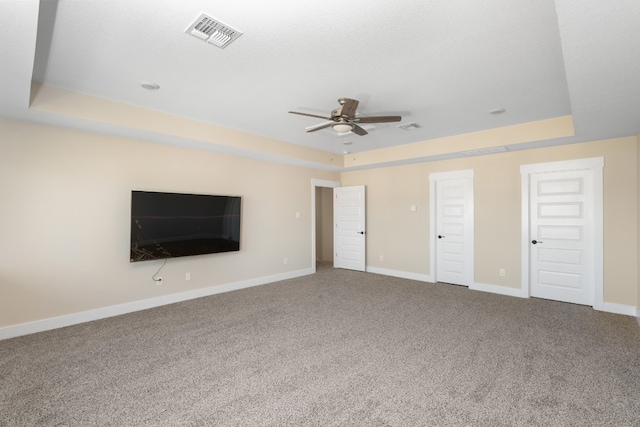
x=322 y=222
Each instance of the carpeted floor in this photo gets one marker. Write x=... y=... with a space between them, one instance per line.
x=339 y=348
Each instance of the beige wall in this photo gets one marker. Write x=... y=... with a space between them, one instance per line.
x=65 y=219
x=64 y=222
x=402 y=236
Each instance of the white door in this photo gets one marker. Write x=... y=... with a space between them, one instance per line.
x=349 y=237
x=454 y=228
x=562 y=236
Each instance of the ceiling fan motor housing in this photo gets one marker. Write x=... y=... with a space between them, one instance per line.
x=344 y=119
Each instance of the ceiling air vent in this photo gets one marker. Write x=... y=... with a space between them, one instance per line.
x=408 y=126
x=483 y=151
x=213 y=31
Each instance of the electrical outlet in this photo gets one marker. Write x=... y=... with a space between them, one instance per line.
x=187 y=275
x=381 y=257
x=158 y=281
x=502 y=272
x=286 y=261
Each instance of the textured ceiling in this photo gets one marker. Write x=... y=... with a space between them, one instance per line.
x=441 y=64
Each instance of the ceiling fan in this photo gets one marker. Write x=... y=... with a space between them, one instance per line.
x=344 y=119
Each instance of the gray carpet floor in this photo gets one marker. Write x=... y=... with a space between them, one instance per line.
x=338 y=348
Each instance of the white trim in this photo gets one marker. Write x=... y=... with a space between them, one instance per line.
x=314 y=184
x=116 y=310
x=461 y=174
x=563 y=165
x=595 y=164
x=610 y=307
x=470 y=257
x=324 y=183
x=501 y=290
x=626 y=310
x=401 y=274
x=524 y=230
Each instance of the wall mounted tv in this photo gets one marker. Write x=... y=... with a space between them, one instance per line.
x=168 y=225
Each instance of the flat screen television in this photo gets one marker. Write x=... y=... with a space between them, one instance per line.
x=168 y=225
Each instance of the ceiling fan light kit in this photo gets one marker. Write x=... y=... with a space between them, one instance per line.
x=342 y=127
x=344 y=119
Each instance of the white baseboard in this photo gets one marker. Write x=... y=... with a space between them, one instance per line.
x=627 y=310
x=502 y=290
x=610 y=307
x=116 y=310
x=401 y=274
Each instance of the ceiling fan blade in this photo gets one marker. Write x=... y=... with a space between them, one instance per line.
x=378 y=119
x=320 y=126
x=310 y=115
x=349 y=107
x=358 y=130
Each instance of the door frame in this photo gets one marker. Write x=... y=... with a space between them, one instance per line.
x=469 y=257
x=595 y=164
x=314 y=184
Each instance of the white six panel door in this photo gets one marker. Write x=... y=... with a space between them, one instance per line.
x=452 y=226
x=349 y=219
x=562 y=241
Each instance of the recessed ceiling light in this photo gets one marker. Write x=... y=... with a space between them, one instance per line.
x=497 y=111
x=149 y=85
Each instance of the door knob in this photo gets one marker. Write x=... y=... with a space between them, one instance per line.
x=440 y=236
x=535 y=242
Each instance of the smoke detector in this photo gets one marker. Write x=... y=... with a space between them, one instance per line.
x=213 y=31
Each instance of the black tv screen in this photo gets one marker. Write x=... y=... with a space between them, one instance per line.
x=168 y=225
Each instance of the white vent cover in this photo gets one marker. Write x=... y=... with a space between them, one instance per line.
x=212 y=31
x=408 y=126
x=483 y=151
